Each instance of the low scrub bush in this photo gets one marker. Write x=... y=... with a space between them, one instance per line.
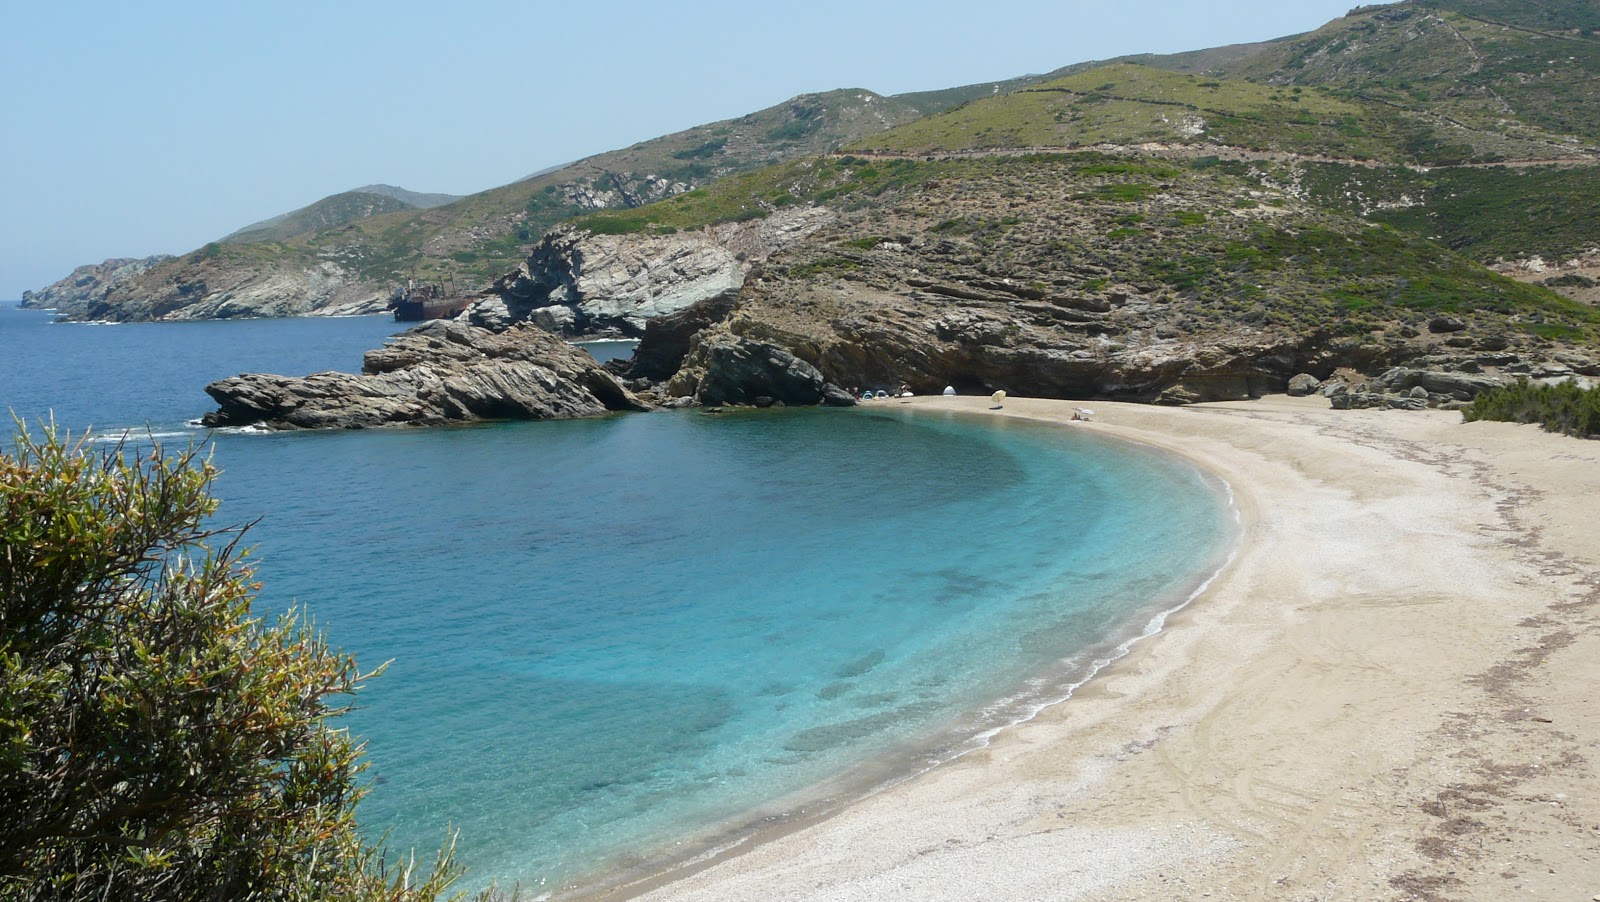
x=1566 y=407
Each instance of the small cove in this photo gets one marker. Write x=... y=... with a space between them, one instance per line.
x=610 y=634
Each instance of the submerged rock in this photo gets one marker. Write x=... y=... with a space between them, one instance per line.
x=440 y=372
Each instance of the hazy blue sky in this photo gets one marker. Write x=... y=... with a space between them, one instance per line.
x=129 y=129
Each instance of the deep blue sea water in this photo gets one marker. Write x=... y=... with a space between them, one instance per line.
x=609 y=636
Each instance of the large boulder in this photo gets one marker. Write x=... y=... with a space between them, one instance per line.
x=440 y=372
x=738 y=370
x=1470 y=385
x=667 y=338
x=1303 y=384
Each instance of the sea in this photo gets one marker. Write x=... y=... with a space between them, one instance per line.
x=617 y=643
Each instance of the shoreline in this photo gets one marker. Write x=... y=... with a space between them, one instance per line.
x=968 y=731
x=1351 y=710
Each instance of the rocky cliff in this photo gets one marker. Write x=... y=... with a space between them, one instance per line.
x=209 y=284
x=1083 y=276
x=577 y=282
x=438 y=373
x=88 y=286
x=1067 y=275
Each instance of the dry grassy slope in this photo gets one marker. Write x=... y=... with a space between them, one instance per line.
x=1124 y=103
x=469 y=242
x=1524 y=71
x=1082 y=275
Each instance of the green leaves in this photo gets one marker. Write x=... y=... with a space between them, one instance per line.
x=156 y=739
x=1565 y=407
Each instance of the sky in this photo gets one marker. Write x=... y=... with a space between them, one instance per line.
x=129 y=129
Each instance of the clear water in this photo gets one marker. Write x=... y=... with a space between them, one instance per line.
x=611 y=635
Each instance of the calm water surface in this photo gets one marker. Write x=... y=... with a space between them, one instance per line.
x=610 y=635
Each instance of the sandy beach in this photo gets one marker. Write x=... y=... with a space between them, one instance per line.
x=1393 y=692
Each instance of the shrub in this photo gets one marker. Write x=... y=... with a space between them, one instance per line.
x=157 y=741
x=1565 y=407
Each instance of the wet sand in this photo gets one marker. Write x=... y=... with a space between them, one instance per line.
x=1393 y=692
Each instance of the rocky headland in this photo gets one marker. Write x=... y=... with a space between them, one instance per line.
x=438 y=373
x=346 y=253
x=87 y=286
x=1080 y=275
x=1085 y=276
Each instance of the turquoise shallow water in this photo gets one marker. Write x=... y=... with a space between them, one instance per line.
x=611 y=635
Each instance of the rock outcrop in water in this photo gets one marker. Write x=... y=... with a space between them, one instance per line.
x=440 y=372
x=88 y=286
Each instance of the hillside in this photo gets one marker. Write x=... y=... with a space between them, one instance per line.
x=338 y=209
x=1483 y=66
x=1078 y=275
x=1400 y=114
x=1470 y=122
x=352 y=266
x=324 y=214
x=1218 y=247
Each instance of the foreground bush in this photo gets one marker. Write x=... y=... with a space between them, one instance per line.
x=157 y=741
x=1566 y=408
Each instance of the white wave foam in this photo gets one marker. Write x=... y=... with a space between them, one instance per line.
x=111 y=437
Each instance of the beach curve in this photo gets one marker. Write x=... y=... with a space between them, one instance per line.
x=1385 y=695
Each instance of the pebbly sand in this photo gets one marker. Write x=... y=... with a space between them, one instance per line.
x=1393 y=692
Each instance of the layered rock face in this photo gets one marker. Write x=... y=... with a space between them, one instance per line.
x=198 y=287
x=1079 y=278
x=88 y=286
x=579 y=283
x=728 y=369
x=440 y=372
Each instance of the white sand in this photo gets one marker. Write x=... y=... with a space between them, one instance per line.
x=1390 y=694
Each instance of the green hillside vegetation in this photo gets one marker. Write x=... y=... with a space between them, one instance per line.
x=324 y=214
x=1488 y=214
x=1483 y=81
x=1392 y=84
x=338 y=209
x=1566 y=17
x=482 y=236
x=843 y=182
x=1123 y=103
x=1193 y=229
x=1401 y=85
x=1567 y=408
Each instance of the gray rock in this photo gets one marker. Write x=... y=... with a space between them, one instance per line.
x=440 y=372
x=489 y=313
x=737 y=370
x=87 y=286
x=1303 y=384
x=1418 y=391
x=622 y=282
x=834 y=396
x=1579 y=363
x=1445 y=324
x=666 y=338
x=559 y=320
x=1401 y=379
